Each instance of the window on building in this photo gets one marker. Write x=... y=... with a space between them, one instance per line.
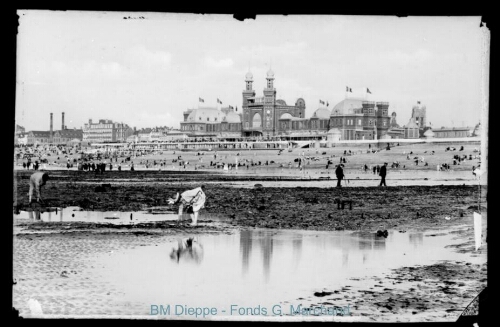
x=359 y=121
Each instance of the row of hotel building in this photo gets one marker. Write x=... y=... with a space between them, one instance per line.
x=263 y=117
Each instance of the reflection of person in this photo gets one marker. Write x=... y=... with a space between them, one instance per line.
x=187 y=249
x=37 y=180
x=383 y=173
x=194 y=198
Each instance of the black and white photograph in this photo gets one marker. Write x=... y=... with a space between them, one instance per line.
x=278 y=168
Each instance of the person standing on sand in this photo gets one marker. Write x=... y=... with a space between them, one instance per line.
x=37 y=180
x=340 y=175
x=383 y=173
x=194 y=198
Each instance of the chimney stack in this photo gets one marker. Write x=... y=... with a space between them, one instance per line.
x=50 y=134
x=62 y=125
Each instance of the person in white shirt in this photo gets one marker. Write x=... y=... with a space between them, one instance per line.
x=194 y=198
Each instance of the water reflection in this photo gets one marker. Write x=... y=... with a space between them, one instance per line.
x=35 y=216
x=297 y=250
x=266 y=247
x=260 y=266
x=187 y=250
x=245 y=249
x=416 y=238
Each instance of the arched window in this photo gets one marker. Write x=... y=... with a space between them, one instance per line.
x=257 y=120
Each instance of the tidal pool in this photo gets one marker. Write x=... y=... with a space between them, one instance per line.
x=256 y=269
x=76 y=214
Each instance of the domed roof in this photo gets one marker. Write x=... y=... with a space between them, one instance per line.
x=412 y=123
x=286 y=116
x=249 y=76
x=346 y=105
x=281 y=102
x=322 y=113
x=233 y=117
x=205 y=115
x=270 y=73
x=334 y=131
x=393 y=114
x=300 y=103
x=429 y=133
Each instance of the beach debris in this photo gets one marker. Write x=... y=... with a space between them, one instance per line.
x=322 y=293
x=447 y=218
x=64 y=273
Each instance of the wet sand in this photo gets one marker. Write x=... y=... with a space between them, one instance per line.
x=51 y=258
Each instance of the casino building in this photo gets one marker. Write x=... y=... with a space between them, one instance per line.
x=271 y=118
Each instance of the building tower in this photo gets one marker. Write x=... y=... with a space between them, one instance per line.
x=383 y=119
x=247 y=93
x=419 y=113
x=268 y=121
x=62 y=124
x=393 y=123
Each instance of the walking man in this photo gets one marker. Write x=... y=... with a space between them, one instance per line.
x=383 y=173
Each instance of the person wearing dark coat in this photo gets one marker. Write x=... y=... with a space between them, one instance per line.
x=340 y=175
x=383 y=173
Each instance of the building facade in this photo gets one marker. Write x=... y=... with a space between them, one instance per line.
x=67 y=135
x=106 y=130
x=268 y=117
x=38 y=137
x=453 y=132
x=210 y=122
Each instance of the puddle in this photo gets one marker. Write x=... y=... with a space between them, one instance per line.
x=261 y=268
x=75 y=214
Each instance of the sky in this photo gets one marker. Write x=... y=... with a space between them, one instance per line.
x=146 y=70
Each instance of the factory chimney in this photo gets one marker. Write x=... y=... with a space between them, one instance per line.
x=51 y=129
x=62 y=125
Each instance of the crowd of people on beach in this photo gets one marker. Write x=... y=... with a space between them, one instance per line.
x=191 y=201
